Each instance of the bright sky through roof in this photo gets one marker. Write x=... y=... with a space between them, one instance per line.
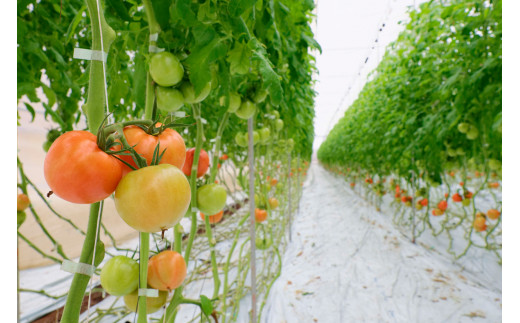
x=353 y=35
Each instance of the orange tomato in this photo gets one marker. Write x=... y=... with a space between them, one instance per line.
x=352 y=184
x=468 y=195
x=273 y=202
x=78 y=171
x=203 y=162
x=494 y=185
x=22 y=202
x=437 y=212
x=145 y=144
x=424 y=202
x=273 y=182
x=480 y=223
x=166 y=270
x=443 y=205
x=493 y=214
x=260 y=215
x=224 y=157
x=215 y=218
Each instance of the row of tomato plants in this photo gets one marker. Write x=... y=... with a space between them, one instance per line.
x=219 y=63
x=465 y=212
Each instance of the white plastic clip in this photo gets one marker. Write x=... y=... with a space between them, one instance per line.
x=194 y=209
x=91 y=55
x=77 y=268
x=179 y=114
x=154 y=37
x=155 y=49
x=148 y=292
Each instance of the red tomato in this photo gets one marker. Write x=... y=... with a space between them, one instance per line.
x=78 y=171
x=424 y=202
x=456 y=197
x=224 y=157
x=443 y=205
x=215 y=218
x=468 y=195
x=273 y=182
x=145 y=144
x=166 y=270
x=203 y=162
x=260 y=215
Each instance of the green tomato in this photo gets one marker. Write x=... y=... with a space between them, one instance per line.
x=20 y=217
x=246 y=110
x=466 y=202
x=263 y=243
x=166 y=69
x=260 y=96
x=169 y=99
x=460 y=152
x=472 y=133
x=278 y=124
x=256 y=137
x=463 y=127
x=120 y=276
x=494 y=164
x=188 y=91
x=241 y=139
x=211 y=198
x=265 y=133
x=234 y=102
x=153 y=304
x=276 y=114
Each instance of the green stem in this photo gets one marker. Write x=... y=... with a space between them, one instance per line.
x=79 y=282
x=143 y=274
x=216 y=152
x=32 y=245
x=214 y=265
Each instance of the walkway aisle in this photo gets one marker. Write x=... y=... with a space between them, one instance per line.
x=347 y=263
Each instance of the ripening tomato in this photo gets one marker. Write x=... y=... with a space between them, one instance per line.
x=456 y=197
x=424 y=202
x=211 y=198
x=153 y=304
x=153 y=198
x=443 y=205
x=78 y=171
x=120 y=276
x=406 y=199
x=352 y=184
x=437 y=212
x=468 y=195
x=273 y=182
x=224 y=157
x=260 y=215
x=273 y=202
x=170 y=142
x=494 y=185
x=480 y=223
x=166 y=270
x=493 y=214
x=368 y=180
x=215 y=218
x=22 y=202
x=203 y=162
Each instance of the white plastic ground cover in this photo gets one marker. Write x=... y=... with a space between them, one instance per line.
x=349 y=263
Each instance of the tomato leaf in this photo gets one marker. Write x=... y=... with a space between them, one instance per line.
x=49 y=93
x=161 y=9
x=271 y=80
x=120 y=8
x=206 y=305
x=239 y=58
x=238 y=7
x=31 y=111
x=139 y=78
x=184 y=12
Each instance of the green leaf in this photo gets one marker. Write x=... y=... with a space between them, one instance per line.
x=207 y=307
x=50 y=94
x=161 y=9
x=31 y=111
x=185 y=13
x=271 y=80
x=238 y=7
x=240 y=59
x=139 y=81
x=74 y=24
x=120 y=8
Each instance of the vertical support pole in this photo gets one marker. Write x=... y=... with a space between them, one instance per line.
x=299 y=188
x=252 y=221
x=413 y=202
x=290 y=195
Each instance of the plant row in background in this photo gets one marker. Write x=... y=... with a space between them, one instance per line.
x=427 y=127
x=180 y=74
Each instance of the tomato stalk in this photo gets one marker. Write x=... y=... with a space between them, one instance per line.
x=144 y=246
x=216 y=152
x=94 y=109
x=154 y=29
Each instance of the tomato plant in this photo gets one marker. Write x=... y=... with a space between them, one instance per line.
x=215 y=218
x=78 y=171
